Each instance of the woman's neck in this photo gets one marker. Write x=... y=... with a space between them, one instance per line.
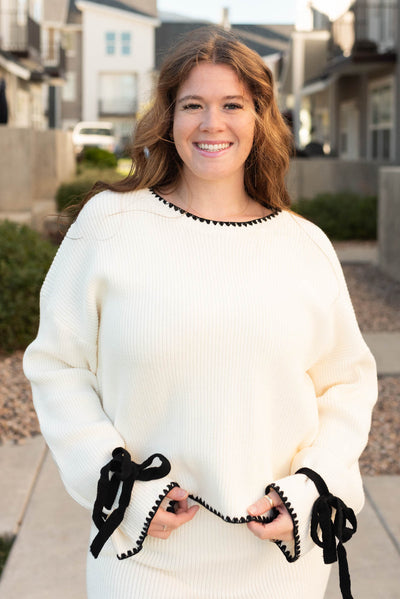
x=216 y=200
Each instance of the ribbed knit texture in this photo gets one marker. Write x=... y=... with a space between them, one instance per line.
x=231 y=349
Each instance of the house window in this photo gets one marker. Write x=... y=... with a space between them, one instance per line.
x=69 y=87
x=68 y=42
x=118 y=94
x=381 y=22
x=349 y=130
x=125 y=43
x=381 y=122
x=110 y=42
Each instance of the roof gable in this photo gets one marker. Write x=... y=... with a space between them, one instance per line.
x=119 y=5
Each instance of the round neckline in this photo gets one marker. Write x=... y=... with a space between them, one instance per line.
x=202 y=219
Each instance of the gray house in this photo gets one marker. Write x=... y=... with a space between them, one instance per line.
x=344 y=79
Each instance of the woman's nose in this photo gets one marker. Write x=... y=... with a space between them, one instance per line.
x=212 y=120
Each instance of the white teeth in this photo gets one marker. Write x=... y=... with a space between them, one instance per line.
x=213 y=147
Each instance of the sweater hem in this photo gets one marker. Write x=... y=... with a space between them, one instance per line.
x=228 y=519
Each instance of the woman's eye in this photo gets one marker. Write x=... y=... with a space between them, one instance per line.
x=233 y=106
x=191 y=106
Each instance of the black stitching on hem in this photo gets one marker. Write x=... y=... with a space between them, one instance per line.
x=241 y=519
x=151 y=514
x=281 y=544
x=149 y=518
x=202 y=219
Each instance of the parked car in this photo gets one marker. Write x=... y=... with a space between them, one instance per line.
x=94 y=134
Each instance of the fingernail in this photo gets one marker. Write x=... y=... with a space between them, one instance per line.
x=181 y=493
x=252 y=510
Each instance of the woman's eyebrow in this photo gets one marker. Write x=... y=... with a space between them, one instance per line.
x=192 y=97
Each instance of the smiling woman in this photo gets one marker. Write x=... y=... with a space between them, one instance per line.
x=213 y=131
x=198 y=372
x=219 y=81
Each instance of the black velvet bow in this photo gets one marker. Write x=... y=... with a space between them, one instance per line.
x=332 y=528
x=121 y=469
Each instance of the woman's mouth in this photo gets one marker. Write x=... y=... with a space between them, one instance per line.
x=211 y=147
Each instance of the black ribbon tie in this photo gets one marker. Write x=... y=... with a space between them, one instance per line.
x=331 y=529
x=121 y=470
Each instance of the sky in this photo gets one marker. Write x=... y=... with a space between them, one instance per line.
x=240 y=11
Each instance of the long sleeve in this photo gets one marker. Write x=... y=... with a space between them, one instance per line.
x=345 y=383
x=61 y=364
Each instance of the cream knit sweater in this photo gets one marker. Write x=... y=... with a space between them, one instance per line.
x=232 y=349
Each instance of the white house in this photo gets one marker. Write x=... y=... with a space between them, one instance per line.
x=118 y=59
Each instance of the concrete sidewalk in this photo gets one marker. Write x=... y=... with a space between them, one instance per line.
x=48 y=557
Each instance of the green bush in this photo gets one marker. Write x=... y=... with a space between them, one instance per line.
x=74 y=191
x=5 y=547
x=96 y=157
x=24 y=260
x=342 y=216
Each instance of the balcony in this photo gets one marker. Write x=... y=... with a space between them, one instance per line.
x=366 y=29
x=20 y=34
x=54 y=60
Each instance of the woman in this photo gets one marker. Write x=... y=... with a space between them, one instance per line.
x=197 y=344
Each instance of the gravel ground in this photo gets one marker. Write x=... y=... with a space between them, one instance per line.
x=376 y=300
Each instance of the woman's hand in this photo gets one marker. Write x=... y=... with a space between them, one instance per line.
x=165 y=522
x=281 y=528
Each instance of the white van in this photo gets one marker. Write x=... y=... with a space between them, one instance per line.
x=94 y=134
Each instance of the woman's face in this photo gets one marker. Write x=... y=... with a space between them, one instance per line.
x=214 y=123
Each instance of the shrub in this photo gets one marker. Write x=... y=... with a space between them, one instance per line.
x=342 y=215
x=73 y=192
x=96 y=157
x=24 y=260
x=5 y=547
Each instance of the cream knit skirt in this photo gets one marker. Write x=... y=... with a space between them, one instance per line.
x=206 y=558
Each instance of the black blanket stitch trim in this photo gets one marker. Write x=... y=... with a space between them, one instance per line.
x=146 y=526
x=241 y=519
x=281 y=544
x=228 y=519
x=209 y=221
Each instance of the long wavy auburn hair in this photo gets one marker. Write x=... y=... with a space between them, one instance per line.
x=155 y=161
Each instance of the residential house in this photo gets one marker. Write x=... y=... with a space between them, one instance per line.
x=344 y=77
x=110 y=58
x=54 y=56
x=21 y=69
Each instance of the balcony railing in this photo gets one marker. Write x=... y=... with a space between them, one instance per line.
x=370 y=26
x=54 y=59
x=20 y=33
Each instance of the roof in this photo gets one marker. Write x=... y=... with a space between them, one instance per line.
x=74 y=15
x=120 y=6
x=263 y=39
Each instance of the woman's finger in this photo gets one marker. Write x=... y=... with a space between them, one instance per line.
x=281 y=528
x=265 y=504
x=165 y=522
